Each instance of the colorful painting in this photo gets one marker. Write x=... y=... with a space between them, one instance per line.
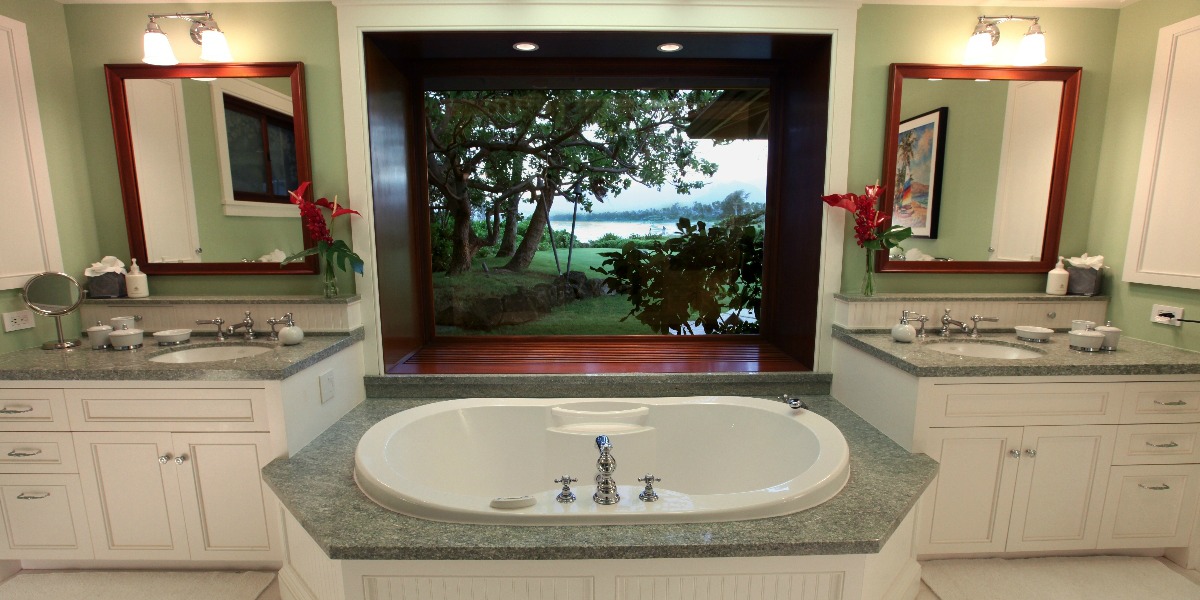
x=918 y=182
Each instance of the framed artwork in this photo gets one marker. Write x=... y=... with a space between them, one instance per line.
x=917 y=185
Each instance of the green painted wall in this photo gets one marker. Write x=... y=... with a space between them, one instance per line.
x=974 y=134
x=938 y=34
x=58 y=109
x=1120 y=152
x=257 y=32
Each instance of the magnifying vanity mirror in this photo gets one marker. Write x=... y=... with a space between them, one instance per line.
x=207 y=154
x=976 y=161
x=53 y=295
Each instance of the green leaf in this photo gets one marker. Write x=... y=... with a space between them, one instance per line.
x=301 y=255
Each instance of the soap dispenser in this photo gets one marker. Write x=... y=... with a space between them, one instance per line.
x=135 y=282
x=291 y=334
x=1056 y=280
x=903 y=332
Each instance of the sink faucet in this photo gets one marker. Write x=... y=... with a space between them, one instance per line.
x=606 y=488
x=218 y=322
x=975 y=319
x=247 y=324
x=947 y=322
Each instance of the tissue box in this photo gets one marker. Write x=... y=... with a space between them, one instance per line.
x=1084 y=281
x=108 y=285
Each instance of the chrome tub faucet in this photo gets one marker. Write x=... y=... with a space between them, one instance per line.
x=606 y=487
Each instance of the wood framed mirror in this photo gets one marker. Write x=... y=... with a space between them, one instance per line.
x=976 y=161
x=206 y=154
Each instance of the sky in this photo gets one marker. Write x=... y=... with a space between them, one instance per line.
x=743 y=165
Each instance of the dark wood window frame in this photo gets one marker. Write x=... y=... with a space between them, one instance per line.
x=265 y=117
x=398 y=69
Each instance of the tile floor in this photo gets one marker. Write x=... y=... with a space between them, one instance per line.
x=927 y=594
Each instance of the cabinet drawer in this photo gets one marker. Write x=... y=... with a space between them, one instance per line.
x=1161 y=402
x=167 y=409
x=961 y=405
x=1157 y=444
x=1150 y=506
x=43 y=517
x=33 y=410
x=37 y=452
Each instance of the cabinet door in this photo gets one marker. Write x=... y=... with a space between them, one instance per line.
x=226 y=508
x=1059 y=496
x=1150 y=506
x=132 y=497
x=42 y=516
x=967 y=506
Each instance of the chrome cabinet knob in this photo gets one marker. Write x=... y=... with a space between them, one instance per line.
x=1014 y=453
x=162 y=460
x=1031 y=452
x=179 y=460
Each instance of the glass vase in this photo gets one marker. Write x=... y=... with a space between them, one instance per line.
x=330 y=276
x=868 y=282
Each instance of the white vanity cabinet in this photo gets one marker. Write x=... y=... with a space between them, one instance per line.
x=1041 y=463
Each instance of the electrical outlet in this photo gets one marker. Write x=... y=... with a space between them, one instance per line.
x=327 y=386
x=1166 y=315
x=18 y=320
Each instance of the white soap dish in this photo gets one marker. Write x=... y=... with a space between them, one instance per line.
x=1030 y=333
x=172 y=337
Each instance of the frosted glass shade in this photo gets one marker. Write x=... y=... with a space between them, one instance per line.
x=979 y=49
x=157 y=49
x=213 y=46
x=1032 y=50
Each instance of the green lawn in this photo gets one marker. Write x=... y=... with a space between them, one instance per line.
x=592 y=316
x=477 y=283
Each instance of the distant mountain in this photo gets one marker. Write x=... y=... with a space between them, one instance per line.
x=704 y=196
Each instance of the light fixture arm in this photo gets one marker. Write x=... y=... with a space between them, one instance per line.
x=988 y=25
x=200 y=21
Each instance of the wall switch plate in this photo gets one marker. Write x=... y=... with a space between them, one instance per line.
x=18 y=320
x=1166 y=315
x=327 y=386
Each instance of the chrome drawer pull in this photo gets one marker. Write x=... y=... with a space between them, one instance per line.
x=1166 y=445
x=1171 y=403
x=1157 y=488
x=15 y=411
x=24 y=452
x=32 y=495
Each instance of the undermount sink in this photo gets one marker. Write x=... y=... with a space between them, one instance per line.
x=209 y=354
x=984 y=350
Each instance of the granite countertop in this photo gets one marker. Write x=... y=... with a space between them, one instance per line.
x=174 y=300
x=965 y=296
x=1132 y=357
x=317 y=487
x=83 y=363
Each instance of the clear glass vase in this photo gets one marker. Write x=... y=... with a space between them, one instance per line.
x=330 y=276
x=868 y=282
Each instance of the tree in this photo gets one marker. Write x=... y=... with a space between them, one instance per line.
x=489 y=149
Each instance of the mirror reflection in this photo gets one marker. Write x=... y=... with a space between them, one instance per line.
x=207 y=155
x=976 y=164
x=215 y=160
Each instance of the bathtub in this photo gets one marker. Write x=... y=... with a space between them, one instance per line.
x=492 y=460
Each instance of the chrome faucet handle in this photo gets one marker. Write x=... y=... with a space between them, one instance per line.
x=602 y=443
x=921 y=329
x=566 y=495
x=794 y=403
x=286 y=319
x=975 y=319
x=648 y=494
x=218 y=322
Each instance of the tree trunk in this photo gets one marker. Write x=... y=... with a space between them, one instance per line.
x=523 y=255
x=508 y=241
x=464 y=242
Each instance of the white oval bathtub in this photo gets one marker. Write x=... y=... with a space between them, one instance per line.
x=719 y=458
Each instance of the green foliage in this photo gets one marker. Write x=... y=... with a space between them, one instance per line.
x=641 y=242
x=692 y=280
x=338 y=253
x=734 y=204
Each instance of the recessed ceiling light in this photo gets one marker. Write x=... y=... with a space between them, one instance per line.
x=525 y=46
x=670 y=47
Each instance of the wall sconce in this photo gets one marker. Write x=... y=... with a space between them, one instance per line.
x=204 y=31
x=1032 y=50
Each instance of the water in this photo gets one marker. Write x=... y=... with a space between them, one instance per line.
x=587 y=231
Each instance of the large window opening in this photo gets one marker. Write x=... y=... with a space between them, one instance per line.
x=596 y=207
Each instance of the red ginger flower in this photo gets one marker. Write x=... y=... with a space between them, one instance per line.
x=868 y=219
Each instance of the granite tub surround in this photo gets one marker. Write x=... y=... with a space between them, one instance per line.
x=35 y=364
x=1133 y=357
x=317 y=488
x=637 y=385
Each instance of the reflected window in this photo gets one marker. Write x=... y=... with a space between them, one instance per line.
x=262 y=151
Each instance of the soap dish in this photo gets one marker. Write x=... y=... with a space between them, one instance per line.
x=172 y=337
x=1030 y=333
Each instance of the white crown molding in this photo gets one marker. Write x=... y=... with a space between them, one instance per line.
x=805 y=3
